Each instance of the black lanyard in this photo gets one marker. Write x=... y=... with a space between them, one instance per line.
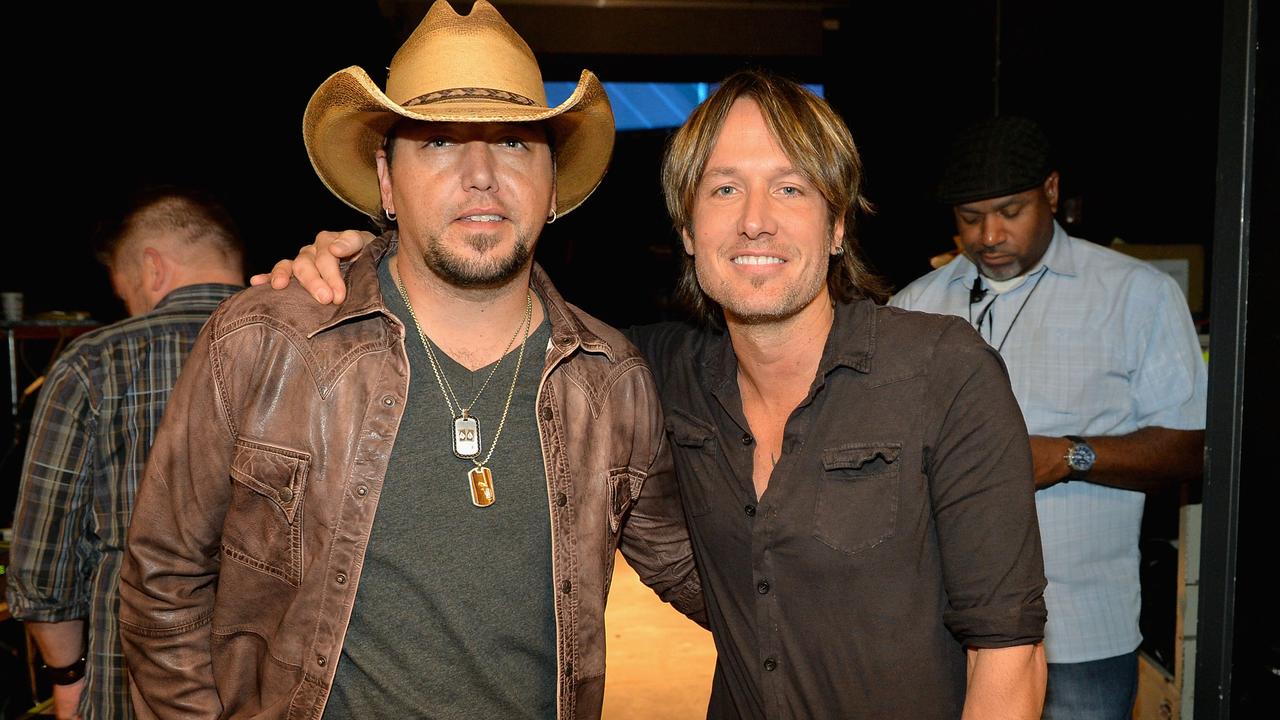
x=986 y=311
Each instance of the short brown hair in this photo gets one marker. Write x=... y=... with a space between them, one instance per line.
x=816 y=141
x=190 y=215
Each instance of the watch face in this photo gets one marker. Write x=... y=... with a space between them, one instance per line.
x=1081 y=457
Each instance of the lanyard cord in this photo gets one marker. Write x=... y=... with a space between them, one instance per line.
x=986 y=313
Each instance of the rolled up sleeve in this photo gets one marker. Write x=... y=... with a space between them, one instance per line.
x=981 y=483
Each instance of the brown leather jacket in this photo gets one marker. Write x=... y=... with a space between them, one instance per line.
x=252 y=518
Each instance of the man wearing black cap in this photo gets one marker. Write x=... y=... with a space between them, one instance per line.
x=1106 y=367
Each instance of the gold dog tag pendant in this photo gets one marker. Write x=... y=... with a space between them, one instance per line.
x=481 y=480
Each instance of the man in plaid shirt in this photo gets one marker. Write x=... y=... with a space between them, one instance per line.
x=172 y=259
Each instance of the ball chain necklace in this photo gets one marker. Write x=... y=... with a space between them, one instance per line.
x=466 y=429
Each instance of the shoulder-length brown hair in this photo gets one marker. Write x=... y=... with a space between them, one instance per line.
x=818 y=144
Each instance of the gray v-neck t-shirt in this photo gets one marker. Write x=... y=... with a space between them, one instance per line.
x=454 y=616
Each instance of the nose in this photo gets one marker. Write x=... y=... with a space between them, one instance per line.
x=992 y=230
x=478 y=167
x=757 y=215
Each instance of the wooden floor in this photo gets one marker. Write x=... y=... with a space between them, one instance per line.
x=659 y=663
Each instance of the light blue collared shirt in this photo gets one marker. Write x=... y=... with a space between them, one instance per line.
x=1104 y=345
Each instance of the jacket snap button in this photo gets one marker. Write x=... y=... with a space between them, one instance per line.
x=341 y=578
x=362 y=490
x=286 y=495
x=562 y=499
x=750 y=510
x=321 y=661
x=747 y=439
x=763 y=587
x=565 y=587
x=546 y=413
x=388 y=401
x=770 y=665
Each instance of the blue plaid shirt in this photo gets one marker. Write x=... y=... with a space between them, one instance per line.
x=1104 y=345
x=93 y=425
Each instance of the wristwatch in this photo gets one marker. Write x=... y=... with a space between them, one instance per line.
x=1080 y=457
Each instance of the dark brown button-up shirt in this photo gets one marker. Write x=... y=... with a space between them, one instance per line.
x=898 y=527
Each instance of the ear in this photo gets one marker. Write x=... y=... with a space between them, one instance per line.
x=551 y=211
x=687 y=239
x=1051 y=190
x=384 y=180
x=154 y=269
x=837 y=236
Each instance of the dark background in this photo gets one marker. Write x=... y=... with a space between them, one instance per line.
x=108 y=97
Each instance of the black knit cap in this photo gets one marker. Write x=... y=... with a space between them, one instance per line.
x=1001 y=156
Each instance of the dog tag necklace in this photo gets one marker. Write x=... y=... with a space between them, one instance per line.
x=466 y=429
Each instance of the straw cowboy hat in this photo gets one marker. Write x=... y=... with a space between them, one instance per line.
x=454 y=68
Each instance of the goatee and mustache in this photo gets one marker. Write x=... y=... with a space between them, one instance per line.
x=480 y=272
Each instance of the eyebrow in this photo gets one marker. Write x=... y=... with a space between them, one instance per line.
x=730 y=171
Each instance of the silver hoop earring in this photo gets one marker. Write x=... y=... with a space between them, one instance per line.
x=838 y=251
x=391 y=216
x=552 y=217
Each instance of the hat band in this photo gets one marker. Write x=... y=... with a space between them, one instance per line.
x=469 y=94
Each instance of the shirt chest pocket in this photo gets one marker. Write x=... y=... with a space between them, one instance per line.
x=1060 y=379
x=693 y=449
x=856 y=506
x=263 y=527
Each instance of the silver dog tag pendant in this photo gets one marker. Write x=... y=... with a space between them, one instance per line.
x=466 y=437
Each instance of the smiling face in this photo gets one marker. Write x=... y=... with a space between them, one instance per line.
x=470 y=198
x=1006 y=236
x=760 y=235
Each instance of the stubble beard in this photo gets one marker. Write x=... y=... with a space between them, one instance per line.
x=477 y=273
x=1005 y=272
x=794 y=299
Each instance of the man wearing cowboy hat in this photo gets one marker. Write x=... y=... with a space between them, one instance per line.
x=409 y=505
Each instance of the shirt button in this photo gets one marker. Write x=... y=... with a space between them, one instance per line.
x=747 y=439
x=362 y=490
x=341 y=578
x=562 y=499
x=763 y=587
x=750 y=510
x=286 y=495
x=770 y=665
x=388 y=400
x=321 y=660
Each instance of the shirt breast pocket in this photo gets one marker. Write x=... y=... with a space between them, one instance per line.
x=856 y=507
x=263 y=527
x=693 y=447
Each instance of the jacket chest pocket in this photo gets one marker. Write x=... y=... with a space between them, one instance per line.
x=263 y=527
x=856 y=507
x=693 y=448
